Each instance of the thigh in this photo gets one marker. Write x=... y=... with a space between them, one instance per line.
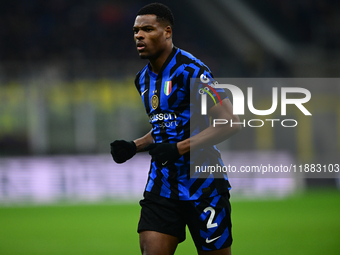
x=155 y=243
x=209 y=223
x=161 y=225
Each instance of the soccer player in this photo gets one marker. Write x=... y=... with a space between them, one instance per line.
x=173 y=198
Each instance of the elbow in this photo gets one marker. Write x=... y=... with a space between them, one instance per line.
x=237 y=129
x=236 y=125
x=231 y=129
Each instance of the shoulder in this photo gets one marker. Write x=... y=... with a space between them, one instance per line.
x=141 y=73
x=190 y=60
x=192 y=66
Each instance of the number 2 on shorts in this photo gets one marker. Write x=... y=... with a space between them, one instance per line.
x=212 y=214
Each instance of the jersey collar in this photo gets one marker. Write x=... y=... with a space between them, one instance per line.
x=167 y=61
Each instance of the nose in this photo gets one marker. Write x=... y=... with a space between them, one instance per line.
x=139 y=35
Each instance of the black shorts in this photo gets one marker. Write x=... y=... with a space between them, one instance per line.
x=208 y=219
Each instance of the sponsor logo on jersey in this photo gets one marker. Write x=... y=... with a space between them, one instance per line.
x=163 y=116
x=164 y=120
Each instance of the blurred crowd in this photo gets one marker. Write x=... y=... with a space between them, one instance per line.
x=315 y=22
x=74 y=29
x=54 y=29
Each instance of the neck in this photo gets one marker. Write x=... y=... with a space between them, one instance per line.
x=157 y=63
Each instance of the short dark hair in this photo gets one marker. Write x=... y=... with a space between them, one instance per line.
x=162 y=12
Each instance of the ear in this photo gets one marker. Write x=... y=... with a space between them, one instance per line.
x=168 y=32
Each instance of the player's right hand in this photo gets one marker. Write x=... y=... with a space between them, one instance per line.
x=122 y=150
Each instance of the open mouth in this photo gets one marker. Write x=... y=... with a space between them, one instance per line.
x=140 y=46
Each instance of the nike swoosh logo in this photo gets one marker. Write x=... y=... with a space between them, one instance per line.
x=144 y=92
x=211 y=240
x=163 y=164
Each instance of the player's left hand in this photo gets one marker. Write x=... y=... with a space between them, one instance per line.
x=163 y=154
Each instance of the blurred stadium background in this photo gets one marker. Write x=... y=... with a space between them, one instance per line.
x=66 y=91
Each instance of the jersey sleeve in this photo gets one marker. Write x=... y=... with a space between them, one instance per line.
x=203 y=86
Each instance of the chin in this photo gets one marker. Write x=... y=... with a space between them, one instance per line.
x=143 y=56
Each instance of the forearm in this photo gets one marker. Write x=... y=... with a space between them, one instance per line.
x=144 y=141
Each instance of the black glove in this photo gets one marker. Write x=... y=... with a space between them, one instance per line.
x=163 y=153
x=122 y=150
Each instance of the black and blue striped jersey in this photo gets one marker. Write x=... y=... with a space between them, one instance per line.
x=166 y=97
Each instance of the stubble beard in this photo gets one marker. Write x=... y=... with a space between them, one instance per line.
x=143 y=56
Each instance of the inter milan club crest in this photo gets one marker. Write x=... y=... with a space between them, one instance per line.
x=167 y=88
x=154 y=101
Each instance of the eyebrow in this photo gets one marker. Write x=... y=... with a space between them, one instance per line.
x=141 y=27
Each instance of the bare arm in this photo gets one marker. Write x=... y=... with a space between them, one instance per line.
x=213 y=135
x=144 y=141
